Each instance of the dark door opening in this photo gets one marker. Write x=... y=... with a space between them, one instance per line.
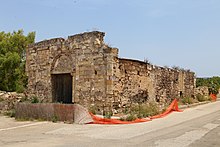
x=181 y=94
x=62 y=88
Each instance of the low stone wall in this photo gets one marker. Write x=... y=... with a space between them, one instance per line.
x=71 y=113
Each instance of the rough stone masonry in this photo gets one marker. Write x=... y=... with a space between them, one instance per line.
x=83 y=69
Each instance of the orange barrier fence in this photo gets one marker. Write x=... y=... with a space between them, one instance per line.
x=98 y=120
x=213 y=97
x=173 y=107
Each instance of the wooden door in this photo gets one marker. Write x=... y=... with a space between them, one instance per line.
x=62 y=88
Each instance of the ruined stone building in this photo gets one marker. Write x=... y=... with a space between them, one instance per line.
x=83 y=69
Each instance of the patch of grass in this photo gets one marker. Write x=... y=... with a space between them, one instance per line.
x=54 y=119
x=187 y=100
x=10 y=113
x=30 y=119
x=24 y=119
x=142 y=111
x=130 y=117
x=108 y=114
x=145 y=110
x=153 y=109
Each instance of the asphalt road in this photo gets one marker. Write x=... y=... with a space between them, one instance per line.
x=195 y=127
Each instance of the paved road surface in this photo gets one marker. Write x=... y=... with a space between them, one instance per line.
x=198 y=126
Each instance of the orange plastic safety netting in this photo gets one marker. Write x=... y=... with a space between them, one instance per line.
x=98 y=120
x=213 y=97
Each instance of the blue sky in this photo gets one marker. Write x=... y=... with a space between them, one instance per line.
x=183 y=33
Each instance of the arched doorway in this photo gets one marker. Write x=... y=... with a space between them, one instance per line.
x=62 y=79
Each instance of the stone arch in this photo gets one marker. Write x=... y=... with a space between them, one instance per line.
x=63 y=78
x=63 y=63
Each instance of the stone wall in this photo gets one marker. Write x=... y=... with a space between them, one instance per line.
x=99 y=78
x=140 y=82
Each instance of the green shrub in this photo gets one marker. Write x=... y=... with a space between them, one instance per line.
x=54 y=119
x=24 y=119
x=130 y=117
x=201 y=98
x=34 y=99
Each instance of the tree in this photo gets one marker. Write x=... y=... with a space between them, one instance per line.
x=212 y=83
x=12 y=60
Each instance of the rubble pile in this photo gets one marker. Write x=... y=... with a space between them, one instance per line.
x=8 y=100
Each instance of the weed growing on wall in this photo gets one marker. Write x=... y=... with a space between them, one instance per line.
x=34 y=99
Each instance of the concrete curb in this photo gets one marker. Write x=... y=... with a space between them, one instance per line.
x=196 y=104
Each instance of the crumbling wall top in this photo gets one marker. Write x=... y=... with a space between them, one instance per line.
x=47 y=42
x=77 y=37
x=133 y=61
x=138 y=62
x=88 y=35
